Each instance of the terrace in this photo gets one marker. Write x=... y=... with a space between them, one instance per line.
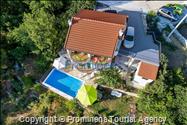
x=86 y=62
x=79 y=57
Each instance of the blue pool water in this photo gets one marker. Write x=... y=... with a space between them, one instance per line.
x=64 y=82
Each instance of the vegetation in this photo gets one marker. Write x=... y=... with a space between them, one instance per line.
x=167 y=97
x=177 y=8
x=152 y=20
x=110 y=77
x=113 y=107
x=32 y=33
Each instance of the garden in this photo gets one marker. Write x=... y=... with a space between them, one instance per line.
x=110 y=106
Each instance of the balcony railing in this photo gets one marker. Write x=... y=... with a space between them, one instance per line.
x=92 y=66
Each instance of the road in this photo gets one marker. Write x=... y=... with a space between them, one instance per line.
x=138 y=5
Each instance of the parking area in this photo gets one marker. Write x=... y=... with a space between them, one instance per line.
x=142 y=40
x=144 y=46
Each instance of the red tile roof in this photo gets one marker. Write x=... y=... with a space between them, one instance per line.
x=95 y=32
x=148 y=71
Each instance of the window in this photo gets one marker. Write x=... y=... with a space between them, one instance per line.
x=129 y=38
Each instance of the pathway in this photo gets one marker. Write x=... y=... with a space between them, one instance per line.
x=122 y=91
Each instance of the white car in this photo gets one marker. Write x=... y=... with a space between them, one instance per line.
x=129 y=38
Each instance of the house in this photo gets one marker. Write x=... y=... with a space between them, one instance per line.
x=145 y=74
x=94 y=38
x=93 y=42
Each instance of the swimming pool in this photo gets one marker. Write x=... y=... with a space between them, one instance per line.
x=63 y=83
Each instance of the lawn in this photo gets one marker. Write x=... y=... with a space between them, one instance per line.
x=113 y=107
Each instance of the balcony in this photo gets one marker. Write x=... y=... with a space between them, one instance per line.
x=80 y=57
x=100 y=60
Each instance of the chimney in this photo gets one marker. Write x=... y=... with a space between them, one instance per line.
x=70 y=22
x=121 y=32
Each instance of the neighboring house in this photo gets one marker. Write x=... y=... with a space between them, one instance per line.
x=93 y=42
x=145 y=73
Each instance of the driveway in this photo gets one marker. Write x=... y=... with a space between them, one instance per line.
x=144 y=47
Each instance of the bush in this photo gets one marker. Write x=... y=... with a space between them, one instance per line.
x=152 y=20
x=17 y=86
x=110 y=77
x=38 y=88
x=42 y=64
x=28 y=82
x=18 y=54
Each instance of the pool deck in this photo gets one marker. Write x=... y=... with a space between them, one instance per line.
x=86 y=77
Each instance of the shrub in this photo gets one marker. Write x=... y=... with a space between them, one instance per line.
x=110 y=77
x=152 y=19
x=28 y=82
x=42 y=64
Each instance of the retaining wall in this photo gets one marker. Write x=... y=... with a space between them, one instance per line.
x=179 y=37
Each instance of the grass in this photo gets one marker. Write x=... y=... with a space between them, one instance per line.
x=113 y=107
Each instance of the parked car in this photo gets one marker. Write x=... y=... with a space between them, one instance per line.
x=129 y=38
x=168 y=12
x=110 y=11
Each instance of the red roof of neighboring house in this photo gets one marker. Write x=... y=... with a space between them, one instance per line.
x=95 y=32
x=148 y=71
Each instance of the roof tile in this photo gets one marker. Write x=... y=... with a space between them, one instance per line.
x=148 y=71
x=95 y=32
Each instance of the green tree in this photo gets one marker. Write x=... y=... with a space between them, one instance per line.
x=167 y=97
x=110 y=77
x=41 y=29
x=46 y=25
x=12 y=14
x=76 y=5
x=36 y=28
